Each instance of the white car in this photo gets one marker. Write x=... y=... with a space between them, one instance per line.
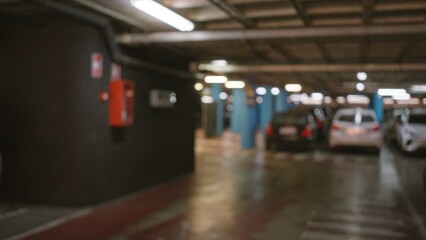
x=411 y=130
x=355 y=127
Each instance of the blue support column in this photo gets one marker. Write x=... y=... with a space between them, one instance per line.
x=248 y=124
x=243 y=118
x=266 y=109
x=238 y=100
x=281 y=104
x=376 y=104
x=216 y=90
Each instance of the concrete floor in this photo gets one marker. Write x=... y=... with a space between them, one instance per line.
x=255 y=195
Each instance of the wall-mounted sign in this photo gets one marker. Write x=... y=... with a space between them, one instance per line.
x=97 y=65
x=115 y=72
x=162 y=98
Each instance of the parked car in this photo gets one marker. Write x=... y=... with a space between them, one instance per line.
x=411 y=130
x=319 y=117
x=355 y=127
x=293 y=129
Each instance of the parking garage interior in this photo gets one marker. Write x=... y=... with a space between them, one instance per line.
x=117 y=124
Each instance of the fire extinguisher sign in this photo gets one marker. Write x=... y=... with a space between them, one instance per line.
x=97 y=65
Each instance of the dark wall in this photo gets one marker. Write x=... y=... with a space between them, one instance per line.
x=55 y=140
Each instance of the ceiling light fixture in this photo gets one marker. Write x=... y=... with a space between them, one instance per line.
x=293 y=87
x=275 y=91
x=340 y=100
x=391 y=91
x=219 y=63
x=235 y=84
x=357 y=99
x=360 y=87
x=164 y=14
x=362 y=76
x=402 y=96
x=198 y=86
x=223 y=95
x=418 y=88
x=215 y=79
x=317 y=96
x=261 y=91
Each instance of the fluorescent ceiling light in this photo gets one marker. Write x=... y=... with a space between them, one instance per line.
x=298 y=97
x=357 y=99
x=360 y=87
x=362 y=76
x=412 y=101
x=311 y=101
x=418 y=88
x=340 y=100
x=402 y=96
x=163 y=14
x=391 y=91
x=317 y=96
x=215 y=79
x=261 y=91
x=328 y=99
x=293 y=87
x=275 y=91
x=235 y=84
x=198 y=86
x=220 y=63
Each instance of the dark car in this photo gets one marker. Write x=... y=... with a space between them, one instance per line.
x=320 y=117
x=294 y=129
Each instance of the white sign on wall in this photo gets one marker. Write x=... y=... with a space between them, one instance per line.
x=97 y=65
x=115 y=71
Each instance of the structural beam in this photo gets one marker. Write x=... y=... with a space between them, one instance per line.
x=233 y=13
x=310 y=68
x=265 y=34
x=300 y=12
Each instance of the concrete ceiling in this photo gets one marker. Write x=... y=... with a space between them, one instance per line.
x=319 y=43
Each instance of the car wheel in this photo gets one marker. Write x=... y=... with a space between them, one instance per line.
x=270 y=147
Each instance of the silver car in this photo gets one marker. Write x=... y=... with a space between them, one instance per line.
x=355 y=127
x=411 y=130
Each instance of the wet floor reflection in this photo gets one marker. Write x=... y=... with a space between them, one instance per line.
x=256 y=195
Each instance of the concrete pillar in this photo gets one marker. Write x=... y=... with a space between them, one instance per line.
x=243 y=118
x=216 y=89
x=266 y=109
x=238 y=100
x=281 y=104
x=248 y=123
x=376 y=104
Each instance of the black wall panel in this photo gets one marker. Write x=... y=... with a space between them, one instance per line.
x=55 y=140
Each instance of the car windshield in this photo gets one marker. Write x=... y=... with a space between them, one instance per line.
x=367 y=118
x=347 y=118
x=299 y=119
x=418 y=118
x=356 y=118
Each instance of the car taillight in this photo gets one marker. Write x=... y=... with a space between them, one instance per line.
x=269 y=131
x=335 y=127
x=376 y=128
x=306 y=132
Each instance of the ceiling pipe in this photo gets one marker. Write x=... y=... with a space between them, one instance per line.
x=310 y=68
x=108 y=32
x=270 y=34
